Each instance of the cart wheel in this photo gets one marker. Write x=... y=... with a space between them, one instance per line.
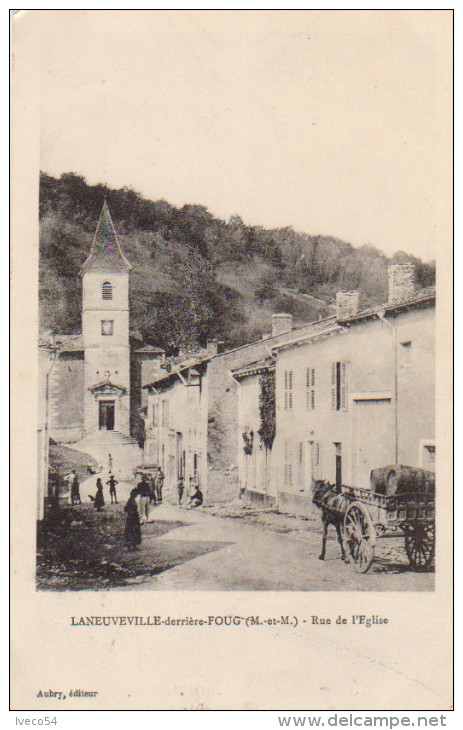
x=419 y=545
x=359 y=537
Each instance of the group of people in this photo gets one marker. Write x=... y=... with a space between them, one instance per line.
x=97 y=499
x=147 y=492
x=195 y=496
x=152 y=485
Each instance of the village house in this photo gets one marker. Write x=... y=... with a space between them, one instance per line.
x=352 y=392
x=255 y=464
x=191 y=420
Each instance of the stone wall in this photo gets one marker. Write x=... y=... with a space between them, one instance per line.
x=66 y=397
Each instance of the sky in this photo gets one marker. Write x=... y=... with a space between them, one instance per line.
x=336 y=123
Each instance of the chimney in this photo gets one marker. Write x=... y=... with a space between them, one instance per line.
x=401 y=281
x=212 y=347
x=281 y=324
x=347 y=304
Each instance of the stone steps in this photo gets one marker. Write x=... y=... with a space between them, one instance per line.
x=125 y=453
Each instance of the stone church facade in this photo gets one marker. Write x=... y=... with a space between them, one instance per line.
x=94 y=378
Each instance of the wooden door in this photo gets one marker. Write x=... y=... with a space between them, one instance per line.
x=373 y=443
x=106 y=415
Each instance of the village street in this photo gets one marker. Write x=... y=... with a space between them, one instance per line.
x=234 y=549
x=231 y=554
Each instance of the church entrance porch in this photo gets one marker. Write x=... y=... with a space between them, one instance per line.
x=106 y=415
x=107 y=409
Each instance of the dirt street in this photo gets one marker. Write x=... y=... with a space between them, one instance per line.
x=192 y=550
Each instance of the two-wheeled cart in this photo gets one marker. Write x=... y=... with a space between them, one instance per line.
x=409 y=512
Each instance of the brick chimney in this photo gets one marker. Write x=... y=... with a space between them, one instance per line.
x=281 y=323
x=401 y=281
x=347 y=304
x=212 y=347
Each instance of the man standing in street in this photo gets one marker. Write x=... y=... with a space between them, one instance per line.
x=143 y=490
x=112 y=488
x=159 y=484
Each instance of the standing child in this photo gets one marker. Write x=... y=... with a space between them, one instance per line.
x=75 y=491
x=112 y=488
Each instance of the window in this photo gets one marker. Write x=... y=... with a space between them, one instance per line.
x=406 y=353
x=310 y=389
x=155 y=415
x=288 y=464
x=339 y=386
x=106 y=290
x=316 y=459
x=107 y=326
x=288 y=389
x=427 y=455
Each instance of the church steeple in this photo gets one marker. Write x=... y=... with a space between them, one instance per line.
x=105 y=254
x=105 y=330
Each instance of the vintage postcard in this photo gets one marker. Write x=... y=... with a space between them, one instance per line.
x=232 y=376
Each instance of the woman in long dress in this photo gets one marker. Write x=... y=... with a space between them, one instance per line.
x=132 y=524
x=99 y=497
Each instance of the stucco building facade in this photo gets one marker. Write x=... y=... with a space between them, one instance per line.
x=206 y=423
x=352 y=393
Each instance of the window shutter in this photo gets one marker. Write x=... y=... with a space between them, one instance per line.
x=333 y=386
x=344 y=386
x=310 y=385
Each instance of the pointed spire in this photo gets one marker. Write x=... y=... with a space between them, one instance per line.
x=105 y=254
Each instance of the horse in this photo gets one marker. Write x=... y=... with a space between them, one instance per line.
x=329 y=499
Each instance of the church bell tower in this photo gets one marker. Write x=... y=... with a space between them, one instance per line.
x=105 y=329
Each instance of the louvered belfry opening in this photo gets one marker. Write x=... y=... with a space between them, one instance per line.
x=107 y=290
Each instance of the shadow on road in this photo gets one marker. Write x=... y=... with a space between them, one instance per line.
x=81 y=549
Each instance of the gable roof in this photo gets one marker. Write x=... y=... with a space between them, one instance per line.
x=254 y=368
x=105 y=253
x=419 y=299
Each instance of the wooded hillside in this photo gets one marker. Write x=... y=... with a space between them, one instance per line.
x=197 y=277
